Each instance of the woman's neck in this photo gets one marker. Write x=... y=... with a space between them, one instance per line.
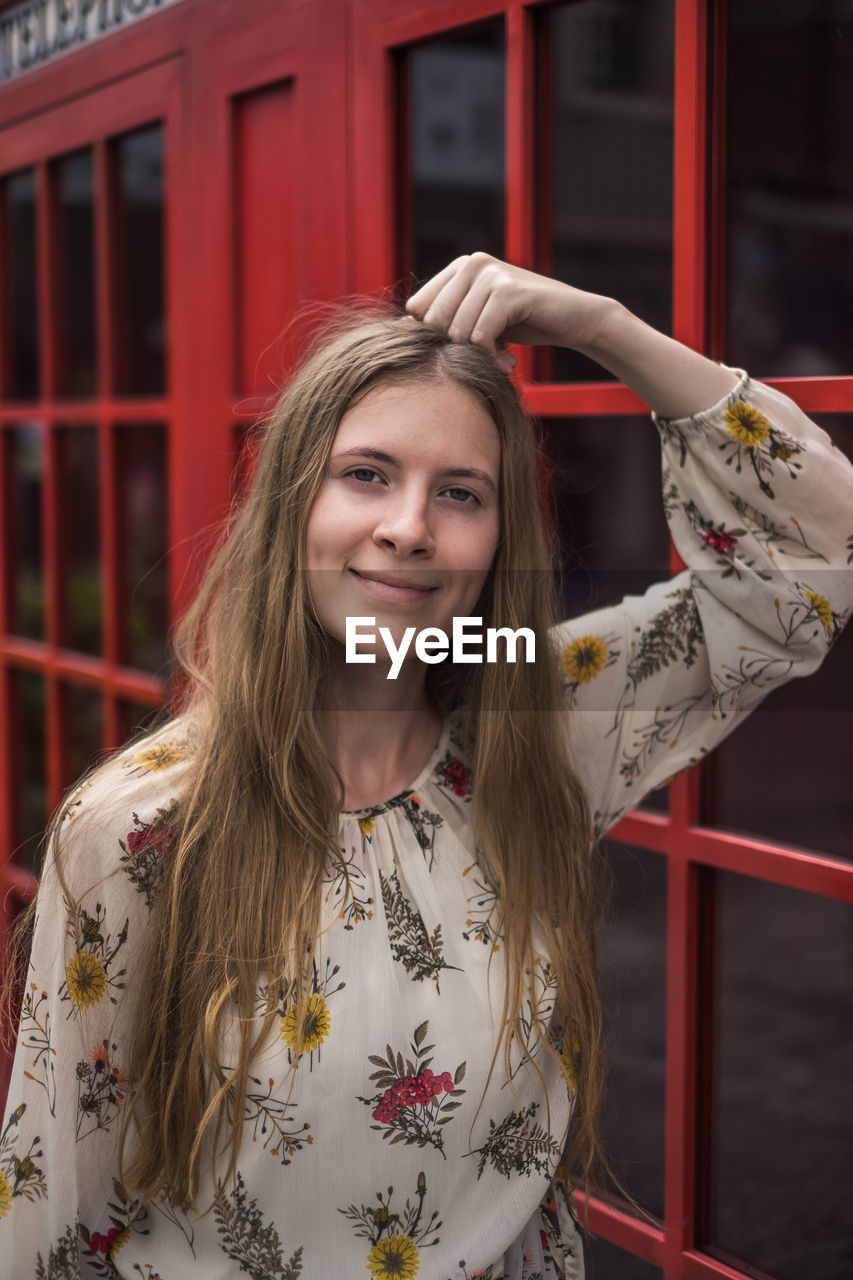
x=379 y=733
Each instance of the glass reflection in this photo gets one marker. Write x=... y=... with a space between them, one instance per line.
x=781 y=1175
x=74 y=316
x=84 y=728
x=455 y=147
x=79 y=514
x=604 y=1261
x=141 y=478
x=141 y=339
x=601 y=466
x=632 y=966
x=606 y=160
x=25 y=447
x=789 y=189
x=21 y=357
x=29 y=763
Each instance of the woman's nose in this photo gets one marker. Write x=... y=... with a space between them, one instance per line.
x=404 y=525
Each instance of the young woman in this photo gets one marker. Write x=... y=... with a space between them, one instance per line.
x=312 y=987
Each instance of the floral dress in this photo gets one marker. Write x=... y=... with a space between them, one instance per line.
x=396 y=1153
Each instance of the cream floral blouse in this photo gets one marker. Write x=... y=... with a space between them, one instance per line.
x=395 y=1155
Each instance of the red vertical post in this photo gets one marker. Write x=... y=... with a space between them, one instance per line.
x=519 y=117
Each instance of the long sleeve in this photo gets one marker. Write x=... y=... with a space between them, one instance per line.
x=63 y=1213
x=759 y=502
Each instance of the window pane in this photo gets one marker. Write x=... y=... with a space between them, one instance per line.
x=79 y=533
x=29 y=763
x=134 y=717
x=23 y=534
x=141 y=339
x=601 y=466
x=632 y=963
x=781 y=1174
x=604 y=1261
x=141 y=483
x=84 y=728
x=789 y=87
x=605 y=165
x=785 y=773
x=75 y=275
x=21 y=357
x=455 y=149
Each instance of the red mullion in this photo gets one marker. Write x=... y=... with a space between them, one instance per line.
x=6 y=786
x=139 y=409
x=96 y=673
x=520 y=197
x=689 y=172
x=105 y=316
x=580 y=399
x=5 y=301
x=717 y=273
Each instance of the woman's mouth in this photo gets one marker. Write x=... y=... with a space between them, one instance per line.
x=395 y=588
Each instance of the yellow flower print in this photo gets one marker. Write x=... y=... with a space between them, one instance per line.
x=746 y=425
x=86 y=978
x=584 y=658
x=395 y=1258
x=366 y=825
x=119 y=1242
x=5 y=1195
x=163 y=757
x=315 y=1027
x=822 y=608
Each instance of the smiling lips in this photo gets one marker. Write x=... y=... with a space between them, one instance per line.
x=394 y=586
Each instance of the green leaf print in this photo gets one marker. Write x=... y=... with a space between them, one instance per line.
x=518 y=1144
x=63 y=1261
x=420 y=953
x=249 y=1241
x=672 y=635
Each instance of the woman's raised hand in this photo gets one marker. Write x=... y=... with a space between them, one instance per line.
x=481 y=300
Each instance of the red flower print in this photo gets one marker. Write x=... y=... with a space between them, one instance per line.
x=154 y=836
x=720 y=540
x=457 y=775
x=103 y=1244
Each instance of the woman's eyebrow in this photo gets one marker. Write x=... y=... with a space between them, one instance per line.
x=469 y=473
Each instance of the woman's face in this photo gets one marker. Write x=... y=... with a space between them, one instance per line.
x=406 y=522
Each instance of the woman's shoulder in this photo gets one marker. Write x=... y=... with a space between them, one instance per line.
x=121 y=817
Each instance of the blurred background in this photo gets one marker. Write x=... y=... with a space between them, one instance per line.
x=176 y=178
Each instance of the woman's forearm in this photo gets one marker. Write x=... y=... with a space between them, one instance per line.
x=671 y=378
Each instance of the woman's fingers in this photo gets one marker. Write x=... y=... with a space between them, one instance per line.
x=421 y=301
x=471 y=300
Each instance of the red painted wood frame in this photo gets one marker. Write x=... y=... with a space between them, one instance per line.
x=381 y=30
x=235 y=90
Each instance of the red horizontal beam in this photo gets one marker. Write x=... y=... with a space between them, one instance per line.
x=124 y=682
x=581 y=398
x=627 y=1231
x=85 y=412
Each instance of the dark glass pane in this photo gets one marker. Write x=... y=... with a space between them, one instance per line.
x=789 y=87
x=782 y=1133
x=21 y=357
x=455 y=149
x=29 y=762
x=75 y=275
x=605 y=166
x=24 y=531
x=632 y=963
x=141 y=338
x=136 y=717
x=141 y=484
x=601 y=466
x=657 y=800
x=785 y=773
x=79 y=534
x=604 y=1261
x=84 y=728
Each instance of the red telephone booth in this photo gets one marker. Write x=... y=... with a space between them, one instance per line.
x=176 y=177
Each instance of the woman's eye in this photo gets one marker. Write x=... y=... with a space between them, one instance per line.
x=364 y=474
x=461 y=495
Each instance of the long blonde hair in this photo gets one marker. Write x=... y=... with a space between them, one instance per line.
x=253 y=655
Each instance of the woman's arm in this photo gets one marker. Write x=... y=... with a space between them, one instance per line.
x=478 y=299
